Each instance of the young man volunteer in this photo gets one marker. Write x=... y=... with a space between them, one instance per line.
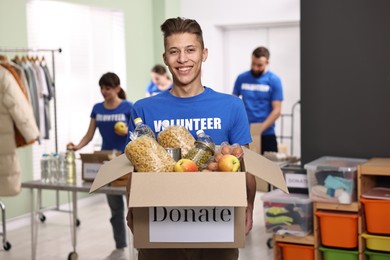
x=189 y=103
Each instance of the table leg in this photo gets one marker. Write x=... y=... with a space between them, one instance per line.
x=33 y=225
x=74 y=203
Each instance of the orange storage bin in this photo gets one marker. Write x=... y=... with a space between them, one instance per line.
x=338 y=229
x=377 y=214
x=295 y=251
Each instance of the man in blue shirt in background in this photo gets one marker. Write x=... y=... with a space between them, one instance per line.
x=262 y=94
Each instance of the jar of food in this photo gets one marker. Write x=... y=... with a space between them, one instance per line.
x=203 y=150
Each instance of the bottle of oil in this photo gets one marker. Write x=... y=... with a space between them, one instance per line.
x=70 y=166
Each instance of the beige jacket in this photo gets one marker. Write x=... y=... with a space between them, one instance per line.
x=14 y=111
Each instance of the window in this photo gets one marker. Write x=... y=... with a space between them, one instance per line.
x=92 y=43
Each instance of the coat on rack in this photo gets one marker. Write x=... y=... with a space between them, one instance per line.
x=14 y=110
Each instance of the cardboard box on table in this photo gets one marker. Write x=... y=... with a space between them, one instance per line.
x=91 y=163
x=211 y=196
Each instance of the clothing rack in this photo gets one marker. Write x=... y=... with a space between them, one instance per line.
x=52 y=51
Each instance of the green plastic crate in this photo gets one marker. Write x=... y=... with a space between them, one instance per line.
x=338 y=254
x=373 y=255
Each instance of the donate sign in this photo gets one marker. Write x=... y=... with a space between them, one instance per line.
x=198 y=224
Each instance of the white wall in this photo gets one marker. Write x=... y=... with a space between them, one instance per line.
x=217 y=16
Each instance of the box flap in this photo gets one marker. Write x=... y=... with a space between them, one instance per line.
x=93 y=157
x=112 y=170
x=175 y=189
x=255 y=129
x=265 y=169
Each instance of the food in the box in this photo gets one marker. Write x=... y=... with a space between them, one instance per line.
x=217 y=157
x=176 y=137
x=212 y=166
x=237 y=151
x=226 y=149
x=148 y=156
x=185 y=165
x=229 y=163
x=120 y=128
x=201 y=154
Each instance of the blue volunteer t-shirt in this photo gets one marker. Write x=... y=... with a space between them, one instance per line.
x=105 y=121
x=221 y=116
x=258 y=94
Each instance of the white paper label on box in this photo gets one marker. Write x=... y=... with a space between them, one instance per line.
x=294 y=180
x=90 y=170
x=191 y=225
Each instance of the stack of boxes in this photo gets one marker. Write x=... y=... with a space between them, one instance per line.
x=375 y=204
x=290 y=214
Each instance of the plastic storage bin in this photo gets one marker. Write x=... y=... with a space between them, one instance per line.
x=377 y=211
x=333 y=179
x=295 y=251
x=296 y=178
x=373 y=242
x=288 y=213
x=338 y=254
x=338 y=229
x=374 y=255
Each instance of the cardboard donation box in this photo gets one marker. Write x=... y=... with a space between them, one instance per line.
x=91 y=163
x=190 y=209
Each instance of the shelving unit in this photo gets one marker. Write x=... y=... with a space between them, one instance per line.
x=305 y=240
x=353 y=207
x=368 y=178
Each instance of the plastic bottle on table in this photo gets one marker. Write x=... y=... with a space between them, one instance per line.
x=53 y=162
x=62 y=168
x=142 y=129
x=45 y=168
x=70 y=159
x=202 y=152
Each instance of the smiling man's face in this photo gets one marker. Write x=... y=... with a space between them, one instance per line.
x=184 y=56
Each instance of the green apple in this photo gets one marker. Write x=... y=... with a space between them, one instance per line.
x=228 y=163
x=120 y=128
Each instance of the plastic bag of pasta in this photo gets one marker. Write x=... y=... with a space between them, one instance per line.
x=147 y=155
x=176 y=137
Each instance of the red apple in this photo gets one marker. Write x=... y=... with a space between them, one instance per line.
x=185 y=165
x=228 y=163
x=120 y=128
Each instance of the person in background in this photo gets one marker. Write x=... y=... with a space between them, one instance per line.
x=160 y=81
x=188 y=101
x=262 y=93
x=111 y=117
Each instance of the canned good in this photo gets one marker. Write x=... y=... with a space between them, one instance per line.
x=175 y=153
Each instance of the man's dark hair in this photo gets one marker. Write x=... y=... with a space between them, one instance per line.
x=261 y=52
x=181 y=25
x=159 y=69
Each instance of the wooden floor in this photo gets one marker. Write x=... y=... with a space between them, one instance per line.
x=94 y=235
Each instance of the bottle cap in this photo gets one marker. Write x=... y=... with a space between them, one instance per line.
x=200 y=131
x=137 y=121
